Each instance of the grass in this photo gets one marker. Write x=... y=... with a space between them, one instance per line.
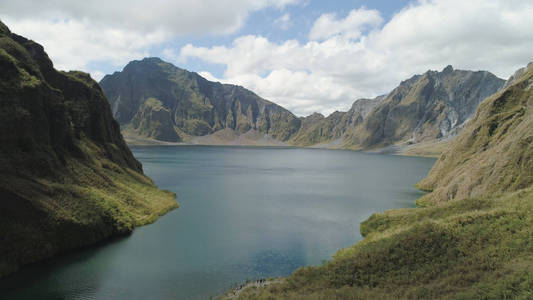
x=92 y=202
x=427 y=149
x=91 y=199
x=465 y=249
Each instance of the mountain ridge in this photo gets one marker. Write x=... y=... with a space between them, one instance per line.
x=425 y=108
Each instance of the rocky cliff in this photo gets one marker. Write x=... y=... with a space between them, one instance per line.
x=154 y=99
x=67 y=178
x=426 y=107
x=494 y=153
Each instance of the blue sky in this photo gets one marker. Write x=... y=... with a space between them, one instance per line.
x=262 y=23
x=306 y=55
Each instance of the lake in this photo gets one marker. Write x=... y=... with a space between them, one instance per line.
x=245 y=213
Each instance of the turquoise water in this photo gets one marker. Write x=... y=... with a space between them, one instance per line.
x=245 y=213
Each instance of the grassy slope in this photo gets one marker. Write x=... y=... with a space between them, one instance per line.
x=427 y=149
x=67 y=178
x=465 y=248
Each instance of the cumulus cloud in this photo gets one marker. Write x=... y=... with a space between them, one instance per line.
x=77 y=33
x=355 y=56
x=73 y=44
x=174 y=16
x=352 y=26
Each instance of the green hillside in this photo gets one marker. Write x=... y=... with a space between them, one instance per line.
x=67 y=178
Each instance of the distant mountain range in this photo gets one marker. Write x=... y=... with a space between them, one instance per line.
x=156 y=101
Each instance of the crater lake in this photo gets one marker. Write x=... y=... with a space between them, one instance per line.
x=245 y=213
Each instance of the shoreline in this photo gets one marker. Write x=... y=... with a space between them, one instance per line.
x=259 y=283
x=415 y=150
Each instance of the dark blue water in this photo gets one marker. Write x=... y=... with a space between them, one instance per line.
x=245 y=213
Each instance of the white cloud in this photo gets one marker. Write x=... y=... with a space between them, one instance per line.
x=170 y=55
x=352 y=26
x=72 y=44
x=173 y=16
x=283 y=22
x=356 y=57
x=77 y=33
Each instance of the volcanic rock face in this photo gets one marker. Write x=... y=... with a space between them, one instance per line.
x=425 y=107
x=188 y=104
x=67 y=178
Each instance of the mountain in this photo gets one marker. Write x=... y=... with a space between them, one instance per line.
x=471 y=240
x=156 y=100
x=494 y=153
x=425 y=107
x=317 y=129
x=67 y=178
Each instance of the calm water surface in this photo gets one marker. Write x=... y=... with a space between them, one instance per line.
x=245 y=213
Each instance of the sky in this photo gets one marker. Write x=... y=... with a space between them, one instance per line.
x=306 y=55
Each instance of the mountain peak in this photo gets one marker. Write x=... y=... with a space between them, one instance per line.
x=188 y=104
x=152 y=63
x=448 y=69
x=152 y=60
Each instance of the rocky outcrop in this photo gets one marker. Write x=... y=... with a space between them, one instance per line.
x=196 y=106
x=425 y=107
x=67 y=178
